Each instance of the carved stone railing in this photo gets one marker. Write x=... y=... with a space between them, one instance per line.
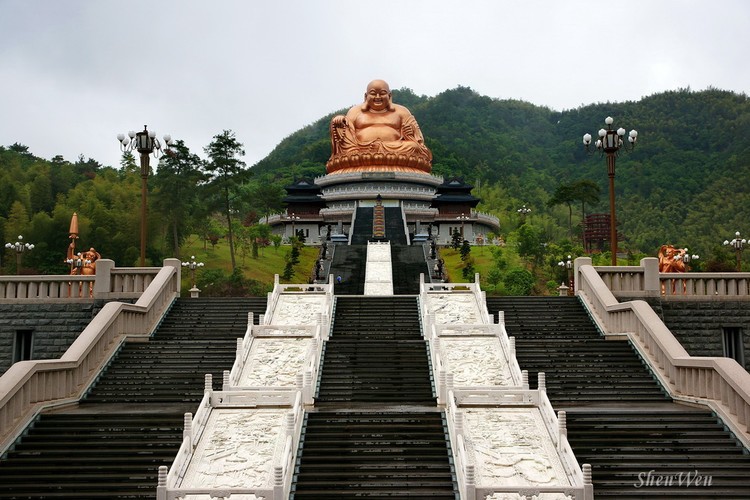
x=356 y=176
x=646 y=281
x=720 y=383
x=109 y=283
x=29 y=386
x=484 y=217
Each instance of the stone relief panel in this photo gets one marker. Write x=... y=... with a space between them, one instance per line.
x=298 y=309
x=512 y=447
x=454 y=308
x=475 y=361
x=274 y=362
x=238 y=450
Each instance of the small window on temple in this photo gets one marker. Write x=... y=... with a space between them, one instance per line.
x=733 y=345
x=23 y=345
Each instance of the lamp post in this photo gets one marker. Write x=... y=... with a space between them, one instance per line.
x=193 y=265
x=568 y=264
x=523 y=212
x=19 y=247
x=687 y=258
x=610 y=141
x=293 y=218
x=463 y=218
x=738 y=244
x=145 y=143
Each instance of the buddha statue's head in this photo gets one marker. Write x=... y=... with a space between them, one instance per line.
x=378 y=97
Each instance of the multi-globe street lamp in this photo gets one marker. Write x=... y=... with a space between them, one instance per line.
x=738 y=243
x=19 y=247
x=568 y=264
x=523 y=212
x=463 y=218
x=193 y=265
x=687 y=258
x=146 y=143
x=294 y=218
x=610 y=141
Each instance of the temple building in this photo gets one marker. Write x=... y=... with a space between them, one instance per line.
x=378 y=152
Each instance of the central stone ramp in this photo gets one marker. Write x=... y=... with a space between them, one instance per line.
x=376 y=430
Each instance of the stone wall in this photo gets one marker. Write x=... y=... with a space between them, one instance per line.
x=54 y=325
x=698 y=325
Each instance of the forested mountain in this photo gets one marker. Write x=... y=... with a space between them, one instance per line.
x=687 y=183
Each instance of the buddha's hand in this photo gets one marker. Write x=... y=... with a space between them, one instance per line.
x=338 y=121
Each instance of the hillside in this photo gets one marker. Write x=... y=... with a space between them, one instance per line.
x=687 y=183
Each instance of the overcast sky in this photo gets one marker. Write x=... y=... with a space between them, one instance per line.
x=75 y=73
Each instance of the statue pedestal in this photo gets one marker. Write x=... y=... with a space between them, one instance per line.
x=194 y=292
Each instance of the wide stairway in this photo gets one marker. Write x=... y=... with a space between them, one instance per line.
x=408 y=264
x=375 y=430
x=619 y=418
x=349 y=263
x=131 y=422
x=362 y=230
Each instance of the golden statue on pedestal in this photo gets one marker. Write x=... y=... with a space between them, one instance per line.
x=671 y=259
x=377 y=135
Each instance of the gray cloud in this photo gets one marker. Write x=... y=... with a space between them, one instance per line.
x=76 y=73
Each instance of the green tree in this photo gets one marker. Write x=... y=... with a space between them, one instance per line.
x=564 y=194
x=226 y=172
x=267 y=196
x=456 y=240
x=519 y=281
x=585 y=191
x=465 y=250
x=176 y=180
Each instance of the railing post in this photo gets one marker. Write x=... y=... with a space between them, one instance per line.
x=651 y=285
x=588 y=487
x=562 y=429
x=577 y=263
x=103 y=281
x=161 y=485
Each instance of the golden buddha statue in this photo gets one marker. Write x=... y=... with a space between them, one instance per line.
x=377 y=135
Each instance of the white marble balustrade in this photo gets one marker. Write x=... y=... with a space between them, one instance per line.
x=243 y=439
x=506 y=439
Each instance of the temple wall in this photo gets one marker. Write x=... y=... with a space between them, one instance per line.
x=699 y=325
x=53 y=326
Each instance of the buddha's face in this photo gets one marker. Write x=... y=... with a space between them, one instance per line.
x=378 y=96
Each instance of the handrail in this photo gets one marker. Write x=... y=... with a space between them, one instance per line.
x=721 y=383
x=645 y=280
x=29 y=386
x=109 y=283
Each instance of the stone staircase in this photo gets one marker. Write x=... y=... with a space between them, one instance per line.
x=131 y=422
x=349 y=263
x=362 y=230
x=408 y=264
x=619 y=419
x=375 y=430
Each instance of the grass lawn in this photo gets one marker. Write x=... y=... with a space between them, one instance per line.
x=454 y=265
x=270 y=260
